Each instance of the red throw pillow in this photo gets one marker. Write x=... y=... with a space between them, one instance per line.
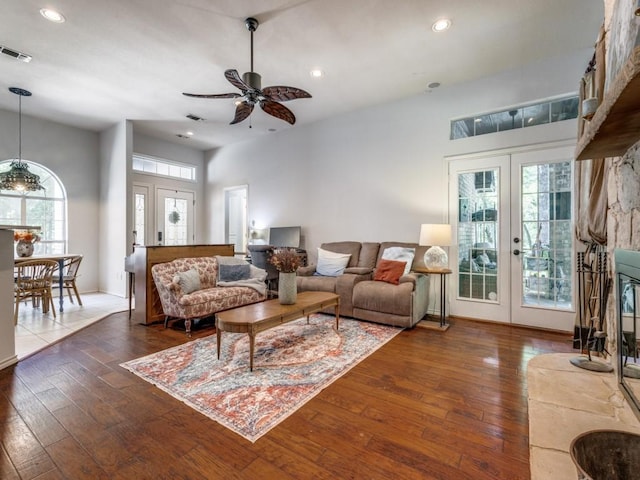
x=389 y=271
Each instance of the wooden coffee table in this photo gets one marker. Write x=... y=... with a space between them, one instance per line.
x=262 y=316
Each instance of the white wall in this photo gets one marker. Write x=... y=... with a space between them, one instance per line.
x=154 y=147
x=72 y=154
x=115 y=154
x=377 y=174
x=7 y=338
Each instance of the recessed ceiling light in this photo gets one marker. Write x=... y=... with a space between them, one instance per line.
x=441 y=25
x=52 y=15
x=190 y=134
x=316 y=73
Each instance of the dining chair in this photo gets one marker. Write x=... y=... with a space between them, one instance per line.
x=69 y=275
x=33 y=279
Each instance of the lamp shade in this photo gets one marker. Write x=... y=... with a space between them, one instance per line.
x=435 y=234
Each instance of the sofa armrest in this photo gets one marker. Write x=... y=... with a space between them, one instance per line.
x=306 y=271
x=411 y=278
x=358 y=270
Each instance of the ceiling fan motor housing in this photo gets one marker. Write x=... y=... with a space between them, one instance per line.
x=253 y=80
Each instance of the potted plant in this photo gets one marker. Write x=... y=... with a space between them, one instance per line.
x=286 y=261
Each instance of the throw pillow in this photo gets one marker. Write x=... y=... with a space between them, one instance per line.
x=331 y=264
x=389 y=271
x=401 y=254
x=189 y=281
x=233 y=273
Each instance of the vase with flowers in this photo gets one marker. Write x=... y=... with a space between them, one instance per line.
x=25 y=240
x=286 y=261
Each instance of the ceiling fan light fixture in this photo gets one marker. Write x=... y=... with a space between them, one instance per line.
x=441 y=25
x=269 y=99
x=52 y=15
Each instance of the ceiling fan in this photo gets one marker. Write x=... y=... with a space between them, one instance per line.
x=252 y=92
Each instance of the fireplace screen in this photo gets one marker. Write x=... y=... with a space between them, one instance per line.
x=628 y=293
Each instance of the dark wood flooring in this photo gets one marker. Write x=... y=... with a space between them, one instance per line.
x=427 y=405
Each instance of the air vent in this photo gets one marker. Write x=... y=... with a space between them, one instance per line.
x=23 y=57
x=196 y=118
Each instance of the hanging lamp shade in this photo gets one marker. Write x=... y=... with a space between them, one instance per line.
x=18 y=177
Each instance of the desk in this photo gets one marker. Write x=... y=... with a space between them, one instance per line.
x=58 y=258
x=443 y=272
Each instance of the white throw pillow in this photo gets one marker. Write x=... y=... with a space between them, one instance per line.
x=189 y=280
x=400 y=254
x=331 y=264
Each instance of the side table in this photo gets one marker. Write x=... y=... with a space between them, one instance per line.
x=442 y=272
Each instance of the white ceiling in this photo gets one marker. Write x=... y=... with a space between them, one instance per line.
x=131 y=59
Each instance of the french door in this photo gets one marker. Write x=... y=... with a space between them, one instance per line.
x=513 y=254
x=174 y=217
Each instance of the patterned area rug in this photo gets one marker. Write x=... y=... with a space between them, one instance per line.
x=292 y=364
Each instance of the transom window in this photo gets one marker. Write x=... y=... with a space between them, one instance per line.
x=163 y=168
x=44 y=208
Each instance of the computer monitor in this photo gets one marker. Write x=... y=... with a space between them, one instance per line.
x=285 y=237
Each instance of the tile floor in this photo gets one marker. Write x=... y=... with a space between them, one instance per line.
x=564 y=402
x=36 y=330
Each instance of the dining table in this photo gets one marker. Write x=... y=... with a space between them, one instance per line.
x=61 y=259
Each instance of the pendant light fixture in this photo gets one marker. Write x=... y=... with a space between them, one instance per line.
x=18 y=177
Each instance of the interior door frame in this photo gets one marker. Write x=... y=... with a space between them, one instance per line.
x=243 y=222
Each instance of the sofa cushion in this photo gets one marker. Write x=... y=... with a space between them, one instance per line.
x=383 y=297
x=350 y=248
x=401 y=254
x=389 y=271
x=189 y=281
x=331 y=264
x=368 y=255
x=233 y=273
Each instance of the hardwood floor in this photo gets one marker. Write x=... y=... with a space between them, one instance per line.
x=427 y=405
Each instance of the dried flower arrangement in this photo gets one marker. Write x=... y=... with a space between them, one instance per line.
x=25 y=235
x=286 y=260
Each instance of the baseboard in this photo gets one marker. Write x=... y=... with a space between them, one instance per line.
x=8 y=362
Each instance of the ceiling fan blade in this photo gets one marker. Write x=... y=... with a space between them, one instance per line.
x=278 y=110
x=234 y=79
x=219 y=95
x=283 y=94
x=243 y=110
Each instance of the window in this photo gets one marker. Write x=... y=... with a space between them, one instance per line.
x=163 y=168
x=517 y=117
x=44 y=208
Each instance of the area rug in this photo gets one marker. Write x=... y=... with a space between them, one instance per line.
x=292 y=364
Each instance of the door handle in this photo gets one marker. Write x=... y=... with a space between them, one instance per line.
x=516 y=252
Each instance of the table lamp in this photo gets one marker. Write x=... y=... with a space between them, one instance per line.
x=436 y=236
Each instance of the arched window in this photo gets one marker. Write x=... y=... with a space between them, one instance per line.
x=44 y=208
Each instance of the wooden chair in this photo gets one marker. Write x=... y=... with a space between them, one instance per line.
x=33 y=279
x=70 y=272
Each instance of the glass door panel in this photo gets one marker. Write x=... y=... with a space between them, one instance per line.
x=546 y=235
x=478 y=235
x=175 y=217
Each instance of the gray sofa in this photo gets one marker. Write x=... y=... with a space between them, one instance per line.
x=364 y=298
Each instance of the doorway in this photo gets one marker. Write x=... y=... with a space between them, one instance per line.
x=235 y=217
x=175 y=217
x=512 y=217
